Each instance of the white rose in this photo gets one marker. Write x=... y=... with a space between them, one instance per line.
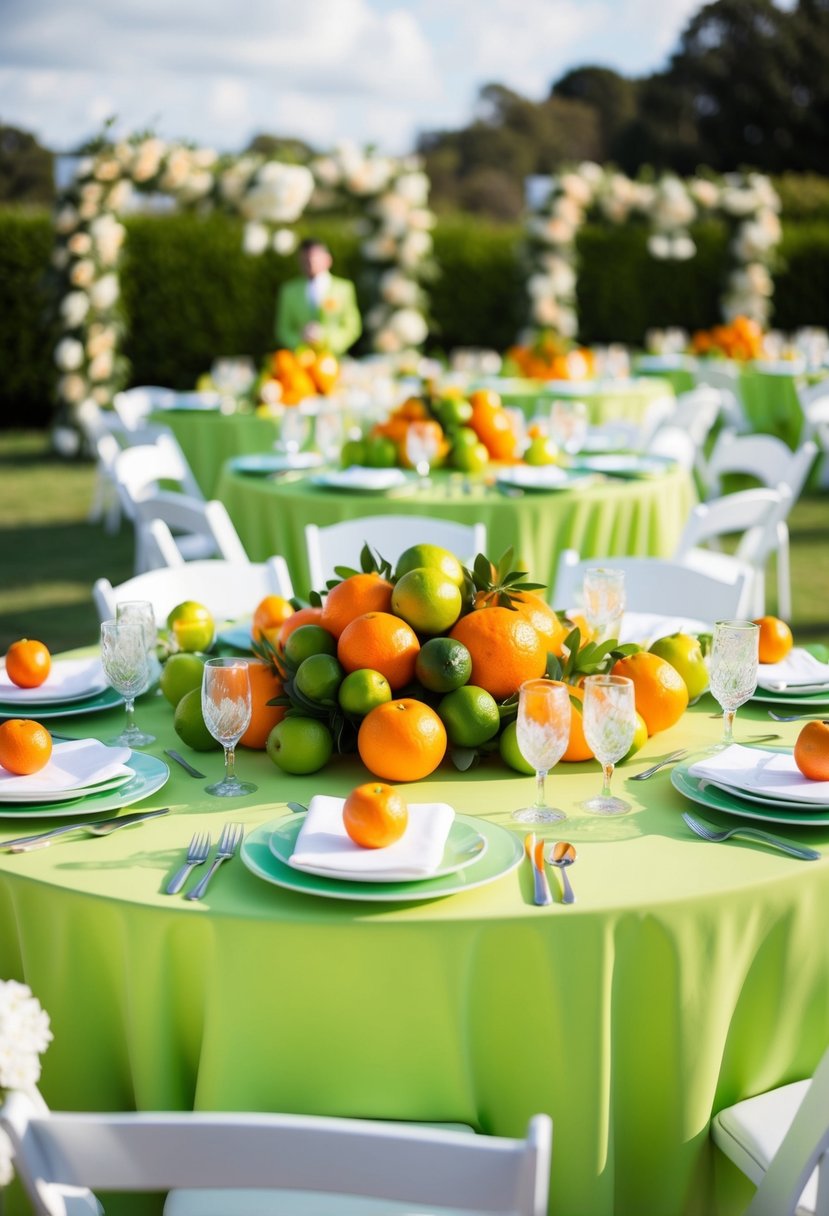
x=196 y=186
x=66 y=220
x=69 y=354
x=325 y=170
x=421 y=219
x=123 y=153
x=591 y=172
x=6 y=1170
x=279 y=196
x=79 y=244
x=72 y=388
x=66 y=442
x=576 y=188
x=205 y=158
x=413 y=187
x=100 y=339
x=101 y=395
x=380 y=249
x=88 y=210
x=82 y=273
x=387 y=342
x=255 y=239
x=568 y=210
x=659 y=246
x=545 y=311
x=284 y=241
x=74 y=308
x=107 y=170
x=414 y=247
x=682 y=247
x=410 y=326
x=737 y=201
x=705 y=192
x=105 y=230
x=398 y=290
x=92 y=193
x=101 y=366
x=85 y=167
x=105 y=292
x=119 y=195
x=558 y=231
x=540 y=286
x=147 y=159
x=376 y=317
x=568 y=323
x=759 y=280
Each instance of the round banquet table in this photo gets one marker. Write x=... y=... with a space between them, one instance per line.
x=685 y=977
x=209 y=437
x=606 y=400
x=609 y=516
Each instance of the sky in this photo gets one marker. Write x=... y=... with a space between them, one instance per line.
x=374 y=71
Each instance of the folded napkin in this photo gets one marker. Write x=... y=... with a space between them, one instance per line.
x=74 y=765
x=360 y=477
x=645 y=627
x=67 y=678
x=546 y=477
x=799 y=668
x=324 y=845
x=757 y=771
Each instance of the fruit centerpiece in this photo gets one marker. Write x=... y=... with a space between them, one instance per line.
x=550 y=357
x=740 y=339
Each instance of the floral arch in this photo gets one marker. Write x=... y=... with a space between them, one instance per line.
x=559 y=206
x=394 y=225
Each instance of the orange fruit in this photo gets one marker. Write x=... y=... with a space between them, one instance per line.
x=269 y=615
x=505 y=649
x=495 y=432
x=265 y=684
x=485 y=402
x=775 y=639
x=25 y=746
x=811 y=751
x=544 y=620
x=660 y=692
x=353 y=597
x=577 y=746
x=324 y=371
x=375 y=815
x=28 y=663
x=381 y=642
x=401 y=740
x=302 y=616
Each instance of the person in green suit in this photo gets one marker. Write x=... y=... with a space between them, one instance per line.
x=317 y=309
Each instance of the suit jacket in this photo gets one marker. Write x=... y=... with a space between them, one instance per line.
x=338 y=315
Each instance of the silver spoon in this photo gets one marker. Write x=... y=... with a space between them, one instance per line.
x=789 y=717
x=564 y=855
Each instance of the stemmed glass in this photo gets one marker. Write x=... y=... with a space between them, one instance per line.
x=569 y=423
x=543 y=731
x=422 y=446
x=603 y=594
x=609 y=720
x=226 y=706
x=140 y=612
x=126 y=665
x=294 y=429
x=329 y=434
x=732 y=670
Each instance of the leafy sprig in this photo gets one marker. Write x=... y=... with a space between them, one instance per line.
x=500 y=586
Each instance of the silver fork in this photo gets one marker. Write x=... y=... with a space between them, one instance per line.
x=793 y=717
x=708 y=833
x=196 y=856
x=229 y=842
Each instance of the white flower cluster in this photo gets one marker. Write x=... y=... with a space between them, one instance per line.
x=24 y=1034
x=670 y=205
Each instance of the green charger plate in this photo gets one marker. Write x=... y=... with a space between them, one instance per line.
x=150 y=775
x=767 y=696
x=504 y=853
x=107 y=699
x=237 y=636
x=699 y=790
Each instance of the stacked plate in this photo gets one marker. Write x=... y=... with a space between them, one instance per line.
x=73 y=686
x=366 y=480
x=626 y=465
x=800 y=679
x=440 y=853
x=261 y=464
x=83 y=776
x=542 y=478
x=756 y=783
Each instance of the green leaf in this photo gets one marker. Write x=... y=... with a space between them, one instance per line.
x=315 y=599
x=344 y=572
x=366 y=560
x=463 y=758
x=482 y=572
x=554 y=668
x=504 y=565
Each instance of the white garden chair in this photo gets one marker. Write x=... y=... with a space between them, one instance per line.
x=814 y=402
x=168 y=524
x=133 y=405
x=273 y=1164
x=675 y=443
x=657 y=412
x=228 y=589
x=770 y=461
x=145 y=471
x=389 y=535
x=754 y=515
x=105 y=435
x=725 y=376
x=780 y=1141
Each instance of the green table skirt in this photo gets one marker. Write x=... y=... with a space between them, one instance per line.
x=686 y=976
x=606 y=400
x=602 y=519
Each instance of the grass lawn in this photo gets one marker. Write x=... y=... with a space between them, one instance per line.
x=50 y=555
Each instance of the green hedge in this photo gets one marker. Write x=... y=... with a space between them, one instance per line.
x=190 y=293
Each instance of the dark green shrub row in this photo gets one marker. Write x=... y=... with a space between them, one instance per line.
x=190 y=293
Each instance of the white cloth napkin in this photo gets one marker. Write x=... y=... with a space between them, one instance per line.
x=548 y=477
x=798 y=668
x=646 y=627
x=72 y=766
x=67 y=678
x=774 y=774
x=324 y=844
x=359 y=477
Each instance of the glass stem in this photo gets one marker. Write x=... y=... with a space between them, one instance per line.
x=728 y=725
x=540 y=778
x=607 y=773
x=230 y=761
x=129 y=705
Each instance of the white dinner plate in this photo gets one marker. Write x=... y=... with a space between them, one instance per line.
x=764 y=799
x=706 y=794
x=546 y=478
x=464 y=845
x=93 y=704
x=262 y=463
x=365 y=481
x=150 y=775
x=111 y=783
x=92 y=682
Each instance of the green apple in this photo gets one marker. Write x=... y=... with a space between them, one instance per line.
x=684 y=653
x=192 y=626
x=181 y=674
x=300 y=745
x=541 y=451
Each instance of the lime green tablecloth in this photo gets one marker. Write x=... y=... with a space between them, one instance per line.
x=607 y=400
x=771 y=404
x=208 y=438
x=686 y=976
x=604 y=518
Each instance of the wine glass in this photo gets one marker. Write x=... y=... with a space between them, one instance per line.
x=603 y=593
x=568 y=424
x=141 y=612
x=294 y=429
x=126 y=665
x=329 y=435
x=543 y=730
x=422 y=446
x=609 y=720
x=732 y=669
x=226 y=706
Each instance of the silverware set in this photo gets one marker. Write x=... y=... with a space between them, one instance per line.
x=563 y=855
x=708 y=832
x=101 y=827
x=197 y=854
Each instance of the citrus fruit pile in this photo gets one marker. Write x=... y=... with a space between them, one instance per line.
x=293 y=375
x=741 y=338
x=550 y=357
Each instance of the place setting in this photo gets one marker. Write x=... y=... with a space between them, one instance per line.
x=70 y=686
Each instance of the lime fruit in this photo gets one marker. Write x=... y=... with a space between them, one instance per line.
x=361 y=690
x=180 y=674
x=318 y=677
x=470 y=716
x=640 y=738
x=453 y=412
x=307 y=640
x=381 y=452
x=427 y=600
x=465 y=437
x=541 y=451
x=300 y=745
x=434 y=558
x=353 y=452
x=684 y=654
x=442 y=664
x=192 y=626
x=470 y=459
x=511 y=753
x=189 y=725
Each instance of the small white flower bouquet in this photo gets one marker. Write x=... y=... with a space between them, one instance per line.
x=24 y=1035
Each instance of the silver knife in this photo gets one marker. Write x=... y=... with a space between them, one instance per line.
x=535 y=851
x=185 y=764
x=101 y=827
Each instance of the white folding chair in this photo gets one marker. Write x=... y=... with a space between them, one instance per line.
x=133 y=405
x=656 y=413
x=105 y=435
x=780 y=1141
x=228 y=589
x=770 y=461
x=754 y=514
x=725 y=376
x=167 y=525
x=145 y=471
x=389 y=535
x=675 y=443
x=274 y=1164
x=654 y=586
x=814 y=402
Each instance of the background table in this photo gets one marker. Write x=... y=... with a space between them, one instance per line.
x=608 y=517
x=606 y=400
x=686 y=976
x=208 y=438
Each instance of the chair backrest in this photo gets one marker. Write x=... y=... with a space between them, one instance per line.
x=163 y=514
x=657 y=412
x=696 y=412
x=675 y=442
x=423 y=1166
x=653 y=585
x=139 y=470
x=134 y=404
x=765 y=457
x=753 y=513
x=228 y=589
x=725 y=377
x=389 y=535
